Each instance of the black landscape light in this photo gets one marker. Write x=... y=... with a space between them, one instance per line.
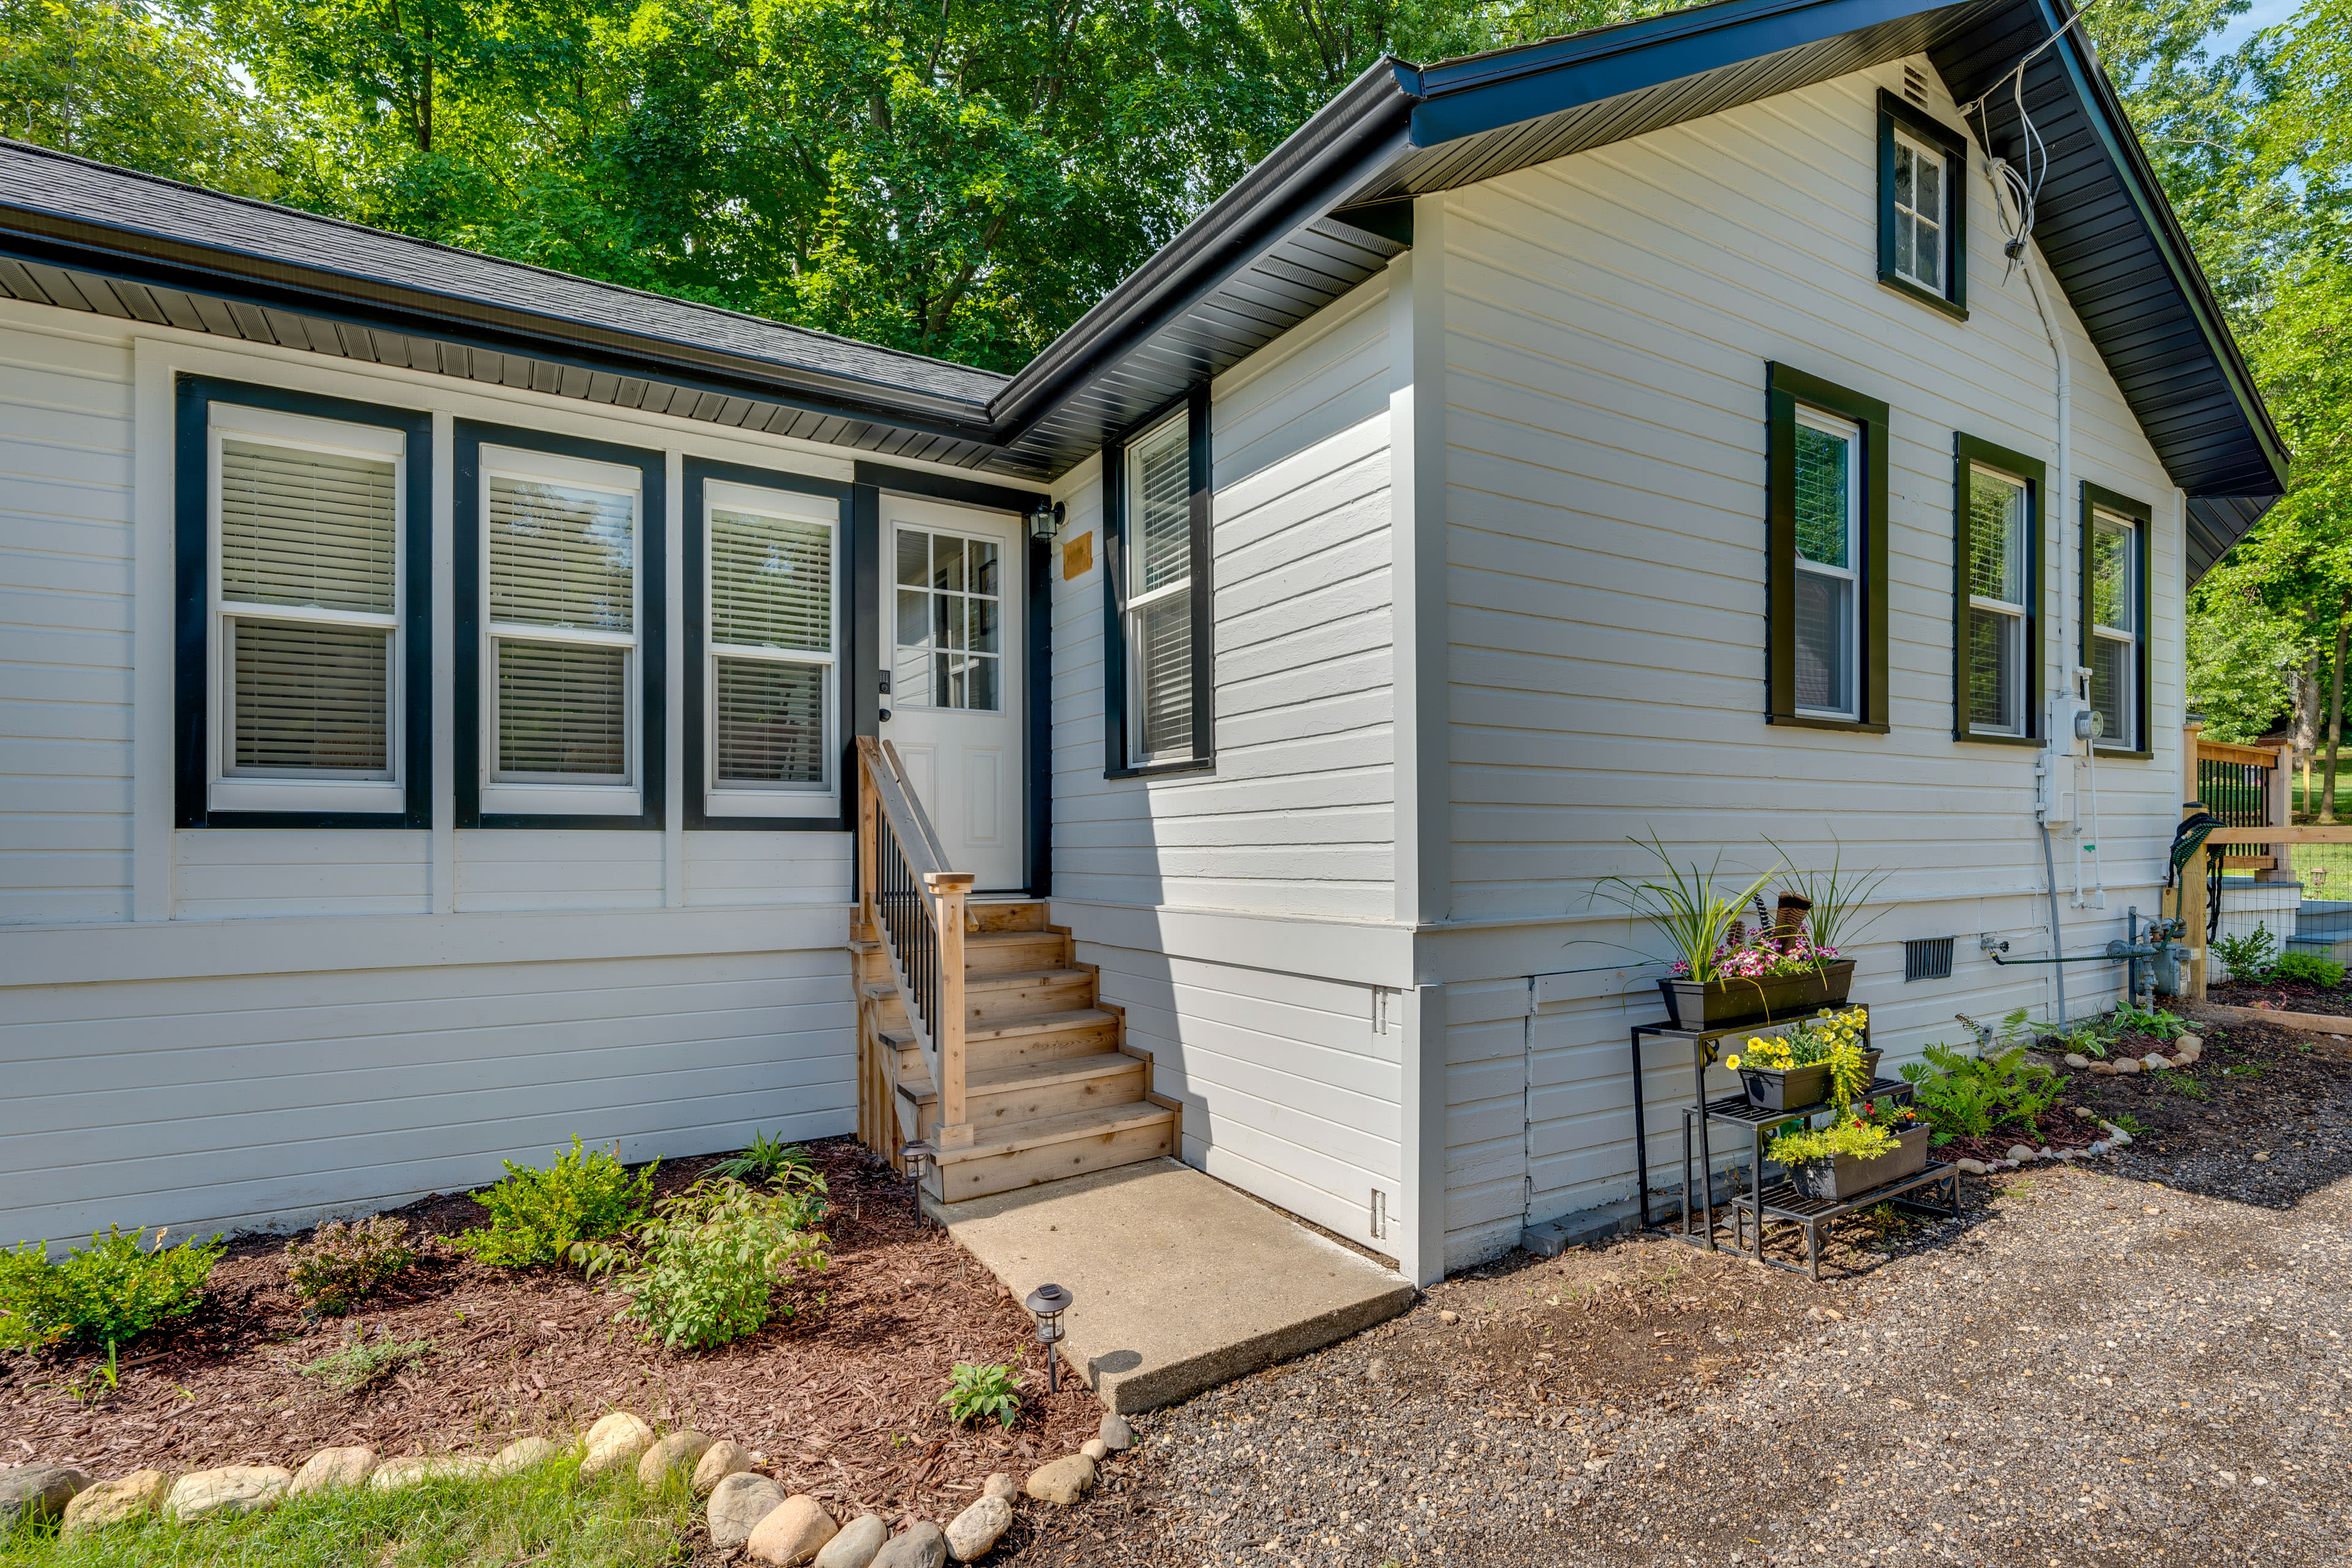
x=916 y=1154
x=1047 y=1304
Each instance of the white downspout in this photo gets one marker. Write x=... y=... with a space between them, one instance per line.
x=1996 y=173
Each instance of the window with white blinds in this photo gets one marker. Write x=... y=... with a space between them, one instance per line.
x=772 y=632
x=560 y=575
x=1157 y=614
x=306 y=604
x=2112 y=633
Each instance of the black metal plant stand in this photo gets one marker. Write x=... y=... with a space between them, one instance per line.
x=1782 y=1202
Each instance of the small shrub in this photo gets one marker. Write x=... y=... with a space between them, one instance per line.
x=539 y=1216
x=358 y=1364
x=342 y=1264
x=2247 y=957
x=2310 y=969
x=107 y=1293
x=711 y=1257
x=978 y=1393
x=771 y=1160
x=2156 y=1023
x=2181 y=1083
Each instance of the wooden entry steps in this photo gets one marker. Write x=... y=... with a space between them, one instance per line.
x=1050 y=1088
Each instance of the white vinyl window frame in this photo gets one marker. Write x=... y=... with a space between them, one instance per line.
x=1851 y=573
x=2015 y=616
x=2123 y=735
x=229 y=788
x=747 y=799
x=1922 y=155
x=1132 y=602
x=620 y=794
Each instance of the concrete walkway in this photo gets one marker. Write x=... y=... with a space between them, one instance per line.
x=1179 y=1283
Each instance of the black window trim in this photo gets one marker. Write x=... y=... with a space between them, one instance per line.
x=1892 y=112
x=695 y=693
x=1195 y=403
x=652 y=636
x=1785 y=388
x=1967 y=452
x=193 y=397
x=2096 y=497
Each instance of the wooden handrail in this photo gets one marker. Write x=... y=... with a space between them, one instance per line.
x=914 y=905
x=2230 y=751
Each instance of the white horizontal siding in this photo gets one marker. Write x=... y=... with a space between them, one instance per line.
x=1610 y=316
x=66 y=547
x=557 y=868
x=1296 y=817
x=1288 y=1089
x=251 y=1099
x=230 y=873
x=747 y=867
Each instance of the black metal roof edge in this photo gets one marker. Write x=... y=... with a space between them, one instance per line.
x=295 y=299
x=127 y=246
x=1362 y=125
x=2115 y=128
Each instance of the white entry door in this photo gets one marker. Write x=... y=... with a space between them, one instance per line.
x=952 y=588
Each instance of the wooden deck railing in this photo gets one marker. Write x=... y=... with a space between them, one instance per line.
x=914 y=904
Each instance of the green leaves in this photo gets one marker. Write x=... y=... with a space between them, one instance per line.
x=342 y=1264
x=982 y=1393
x=1968 y=1096
x=106 y=1293
x=712 y=1257
x=538 y=1216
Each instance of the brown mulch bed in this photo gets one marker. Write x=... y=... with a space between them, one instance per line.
x=2285 y=996
x=2058 y=1128
x=2258 y=1080
x=842 y=1398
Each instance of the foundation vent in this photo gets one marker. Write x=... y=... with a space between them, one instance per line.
x=1927 y=958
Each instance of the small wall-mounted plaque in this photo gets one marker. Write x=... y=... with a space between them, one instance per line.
x=1077 y=556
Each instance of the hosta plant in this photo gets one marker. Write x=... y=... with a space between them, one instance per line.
x=982 y=1393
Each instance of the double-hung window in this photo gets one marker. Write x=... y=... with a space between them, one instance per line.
x=1161 y=596
x=564 y=606
x=1995 y=543
x=1828 y=564
x=1826 y=543
x=296 y=548
x=2114 y=616
x=769 y=681
x=1922 y=206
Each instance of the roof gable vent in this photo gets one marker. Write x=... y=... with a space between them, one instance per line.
x=1914 y=85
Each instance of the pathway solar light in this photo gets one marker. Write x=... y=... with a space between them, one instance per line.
x=1047 y=1304
x=916 y=1155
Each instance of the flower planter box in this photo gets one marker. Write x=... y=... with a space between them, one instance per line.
x=1719 y=1003
x=1774 y=1088
x=1845 y=1178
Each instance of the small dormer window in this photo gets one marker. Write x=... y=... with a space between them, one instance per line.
x=1922 y=206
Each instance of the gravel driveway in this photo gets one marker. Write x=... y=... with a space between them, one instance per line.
x=2092 y=1367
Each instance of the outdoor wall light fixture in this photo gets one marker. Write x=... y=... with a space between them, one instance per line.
x=916 y=1155
x=1047 y=1304
x=1045 y=522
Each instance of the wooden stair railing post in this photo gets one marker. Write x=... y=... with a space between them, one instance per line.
x=868 y=806
x=948 y=890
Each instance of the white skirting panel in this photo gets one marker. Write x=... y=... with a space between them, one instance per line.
x=272 y=1100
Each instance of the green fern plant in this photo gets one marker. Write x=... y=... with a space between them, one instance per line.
x=1968 y=1096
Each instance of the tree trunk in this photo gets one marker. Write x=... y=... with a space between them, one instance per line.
x=2335 y=714
x=2303 y=729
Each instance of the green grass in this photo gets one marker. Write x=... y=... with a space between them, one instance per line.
x=544 y=1516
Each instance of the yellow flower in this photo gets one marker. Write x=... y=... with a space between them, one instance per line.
x=1732 y=1062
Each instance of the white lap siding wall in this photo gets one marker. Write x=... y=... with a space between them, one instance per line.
x=1241 y=916
x=1610 y=316
x=233 y=1027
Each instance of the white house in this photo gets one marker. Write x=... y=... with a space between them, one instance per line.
x=434 y=685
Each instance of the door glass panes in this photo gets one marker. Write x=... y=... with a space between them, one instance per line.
x=950 y=620
x=1827 y=465
x=2000 y=555
x=1919 y=214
